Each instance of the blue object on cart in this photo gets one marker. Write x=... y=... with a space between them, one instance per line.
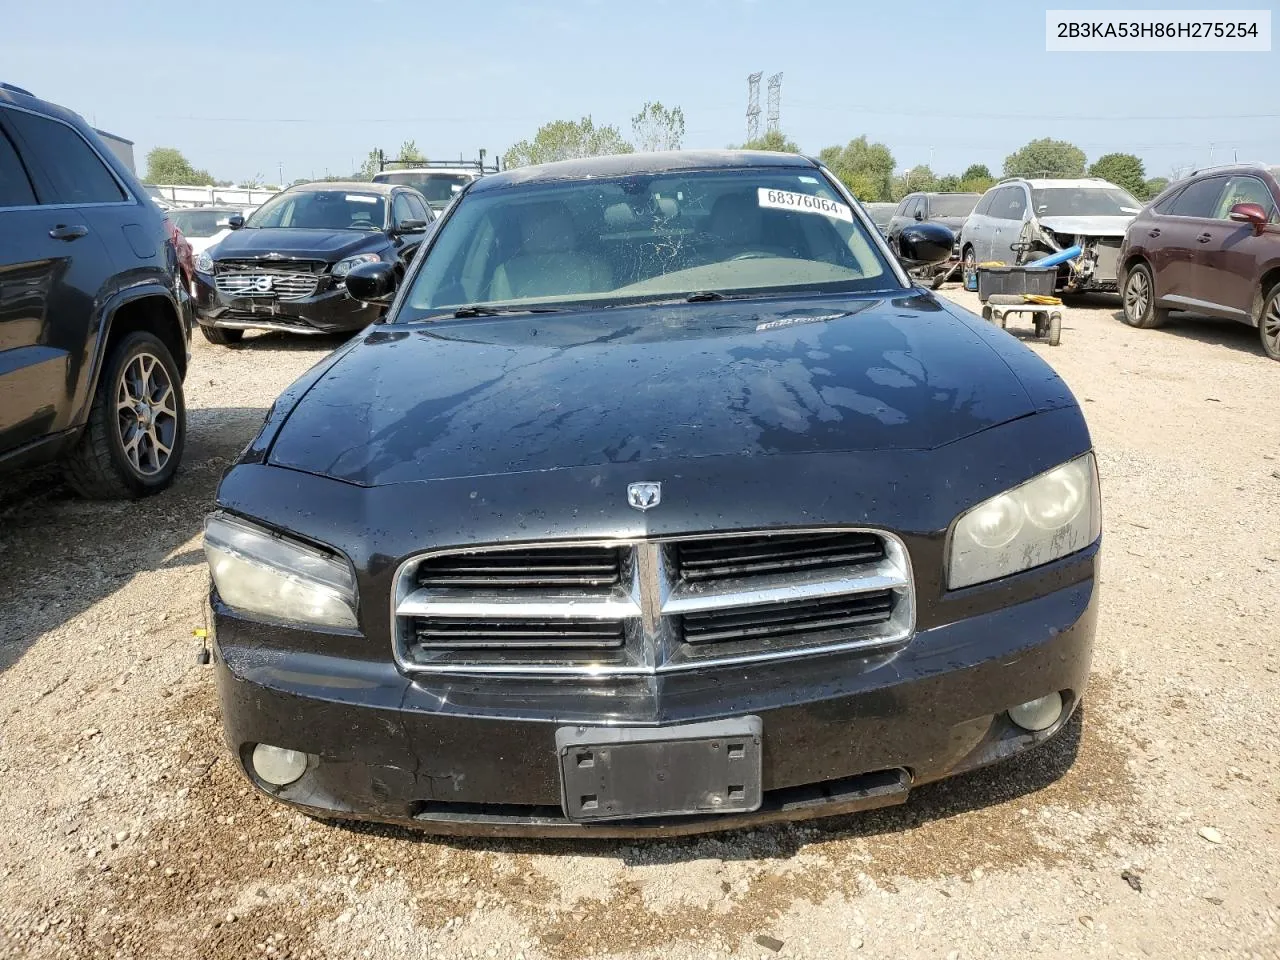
x=1052 y=261
x=971 y=281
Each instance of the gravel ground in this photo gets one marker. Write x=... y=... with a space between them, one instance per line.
x=1148 y=828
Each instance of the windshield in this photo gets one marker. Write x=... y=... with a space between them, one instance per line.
x=881 y=213
x=953 y=204
x=438 y=188
x=321 y=210
x=200 y=223
x=1084 y=202
x=648 y=237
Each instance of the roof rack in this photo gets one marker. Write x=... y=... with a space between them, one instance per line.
x=400 y=163
x=14 y=88
x=1252 y=164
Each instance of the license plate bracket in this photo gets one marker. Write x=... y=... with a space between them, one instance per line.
x=624 y=773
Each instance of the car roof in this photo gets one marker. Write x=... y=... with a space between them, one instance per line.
x=1037 y=183
x=387 y=173
x=355 y=186
x=638 y=164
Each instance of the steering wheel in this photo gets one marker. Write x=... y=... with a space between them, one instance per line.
x=752 y=255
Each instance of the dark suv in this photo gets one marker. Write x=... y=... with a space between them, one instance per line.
x=285 y=267
x=1209 y=244
x=949 y=209
x=95 y=322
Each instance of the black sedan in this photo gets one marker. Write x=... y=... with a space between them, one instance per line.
x=285 y=267
x=660 y=502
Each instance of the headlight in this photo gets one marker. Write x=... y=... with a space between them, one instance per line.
x=1055 y=514
x=204 y=262
x=343 y=267
x=259 y=572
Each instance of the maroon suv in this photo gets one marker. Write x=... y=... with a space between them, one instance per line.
x=1209 y=244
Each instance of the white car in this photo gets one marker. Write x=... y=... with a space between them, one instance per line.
x=438 y=184
x=204 y=226
x=1033 y=219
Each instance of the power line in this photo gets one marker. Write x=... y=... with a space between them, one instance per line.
x=753 y=105
x=963 y=115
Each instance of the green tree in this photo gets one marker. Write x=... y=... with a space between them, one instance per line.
x=369 y=167
x=1124 y=170
x=1045 y=158
x=774 y=140
x=977 y=171
x=868 y=164
x=657 y=128
x=919 y=177
x=409 y=151
x=976 y=184
x=566 y=140
x=1156 y=185
x=949 y=183
x=167 y=165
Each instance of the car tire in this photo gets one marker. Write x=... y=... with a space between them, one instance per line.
x=222 y=336
x=1269 y=324
x=1139 y=299
x=968 y=266
x=138 y=413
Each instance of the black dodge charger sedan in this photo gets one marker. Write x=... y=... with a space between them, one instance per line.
x=660 y=502
x=285 y=267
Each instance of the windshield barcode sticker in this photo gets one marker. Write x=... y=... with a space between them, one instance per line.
x=804 y=203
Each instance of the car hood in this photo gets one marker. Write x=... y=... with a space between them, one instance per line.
x=1088 y=226
x=951 y=223
x=466 y=398
x=296 y=243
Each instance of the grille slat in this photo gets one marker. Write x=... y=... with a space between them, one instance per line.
x=705 y=560
x=787 y=619
x=527 y=570
x=439 y=633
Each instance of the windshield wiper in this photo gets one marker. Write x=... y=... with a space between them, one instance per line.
x=704 y=296
x=477 y=310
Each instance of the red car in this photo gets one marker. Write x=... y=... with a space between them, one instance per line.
x=185 y=257
x=1209 y=244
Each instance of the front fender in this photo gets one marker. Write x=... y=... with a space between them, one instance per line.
x=179 y=311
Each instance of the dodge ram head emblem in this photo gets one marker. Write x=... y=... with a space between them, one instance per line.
x=642 y=496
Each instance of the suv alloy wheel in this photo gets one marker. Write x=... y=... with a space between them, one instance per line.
x=1269 y=324
x=133 y=441
x=1140 y=308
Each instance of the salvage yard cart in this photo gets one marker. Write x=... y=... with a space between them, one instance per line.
x=1046 y=313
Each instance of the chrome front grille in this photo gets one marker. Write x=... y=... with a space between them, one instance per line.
x=653 y=606
x=254 y=280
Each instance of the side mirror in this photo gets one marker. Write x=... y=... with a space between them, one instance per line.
x=411 y=226
x=921 y=244
x=235 y=221
x=1249 y=213
x=919 y=214
x=372 y=282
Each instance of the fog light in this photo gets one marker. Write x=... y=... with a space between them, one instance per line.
x=278 y=766
x=1038 y=714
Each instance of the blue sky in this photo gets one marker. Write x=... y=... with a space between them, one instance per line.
x=243 y=87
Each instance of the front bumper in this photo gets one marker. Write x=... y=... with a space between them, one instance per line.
x=840 y=732
x=328 y=311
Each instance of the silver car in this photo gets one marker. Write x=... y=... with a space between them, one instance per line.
x=1019 y=220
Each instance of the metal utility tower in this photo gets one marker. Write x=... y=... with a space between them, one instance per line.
x=753 y=105
x=773 y=122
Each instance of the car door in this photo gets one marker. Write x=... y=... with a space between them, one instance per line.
x=1013 y=212
x=401 y=212
x=1188 y=234
x=52 y=265
x=1231 y=271
x=975 y=228
x=900 y=218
